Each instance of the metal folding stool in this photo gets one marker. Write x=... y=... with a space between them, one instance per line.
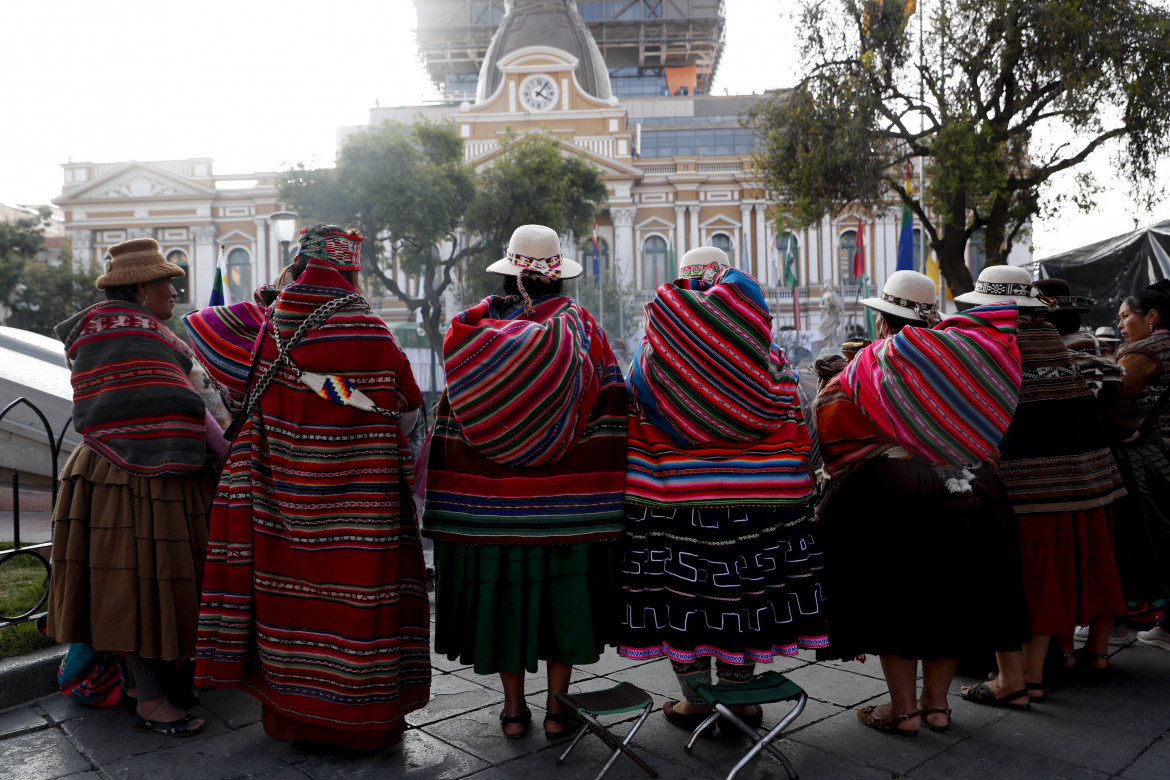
x=763 y=689
x=611 y=701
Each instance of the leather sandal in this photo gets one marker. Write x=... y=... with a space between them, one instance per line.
x=926 y=711
x=688 y=721
x=865 y=715
x=1036 y=686
x=981 y=693
x=569 y=723
x=524 y=718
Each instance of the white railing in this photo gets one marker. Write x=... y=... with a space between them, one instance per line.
x=722 y=167
x=473 y=150
x=604 y=145
x=658 y=169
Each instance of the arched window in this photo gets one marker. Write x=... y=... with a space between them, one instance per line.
x=845 y=256
x=239 y=280
x=723 y=241
x=977 y=252
x=654 y=263
x=788 y=266
x=183 y=283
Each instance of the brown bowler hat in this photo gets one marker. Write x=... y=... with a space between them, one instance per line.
x=135 y=261
x=1060 y=291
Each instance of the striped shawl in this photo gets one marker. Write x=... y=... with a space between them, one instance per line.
x=946 y=394
x=133 y=401
x=315 y=592
x=557 y=476
x=223 y=337
x=1055 y=454
x=714 y=417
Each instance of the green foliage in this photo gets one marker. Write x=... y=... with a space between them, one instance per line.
x=998 y=97
x=39 y=294
x=611 y=303
x=22 y=583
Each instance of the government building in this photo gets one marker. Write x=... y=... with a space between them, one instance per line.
x=630 y=86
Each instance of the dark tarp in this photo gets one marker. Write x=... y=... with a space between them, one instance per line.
x=1113 y=269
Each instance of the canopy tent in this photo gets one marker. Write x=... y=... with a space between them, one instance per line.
x=1113 y=269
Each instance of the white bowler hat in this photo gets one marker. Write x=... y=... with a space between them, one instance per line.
x=1106 y=334
x=696 y=263
x=906 y=294
x=1005 y=283
x=535 y=248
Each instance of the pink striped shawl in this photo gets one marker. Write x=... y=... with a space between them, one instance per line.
x=946 y=394
x=522 y=389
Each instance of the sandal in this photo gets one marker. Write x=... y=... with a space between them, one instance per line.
x=1090 y=674
x=926 y=711
x=689 y=721
x=865 y=715
x=982 y=694
x=569 y=723
x=524 y=718
x=174 y=728
x=1036 y=686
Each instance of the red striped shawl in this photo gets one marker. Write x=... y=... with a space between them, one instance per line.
x=133 y=402
x=315 y=596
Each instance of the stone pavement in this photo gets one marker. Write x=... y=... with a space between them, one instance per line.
x=1118 y=729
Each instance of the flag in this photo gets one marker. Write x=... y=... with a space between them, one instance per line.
x=906 y=237
x=791 y=279
x=221 y=293
x=596 y=263
x=859 y=252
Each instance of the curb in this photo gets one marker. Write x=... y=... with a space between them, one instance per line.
x=26 y=678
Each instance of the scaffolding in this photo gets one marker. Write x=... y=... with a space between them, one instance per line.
x=636 y=37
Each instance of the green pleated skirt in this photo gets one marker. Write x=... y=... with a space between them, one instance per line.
x=502 y=608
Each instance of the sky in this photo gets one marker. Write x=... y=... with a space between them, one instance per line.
x=259 y=85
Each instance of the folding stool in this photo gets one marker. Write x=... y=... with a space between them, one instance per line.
x=762 y=689
x=622 y=698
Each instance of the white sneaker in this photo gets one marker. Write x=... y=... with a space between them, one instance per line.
x=1155 y=637
x=1118 y=638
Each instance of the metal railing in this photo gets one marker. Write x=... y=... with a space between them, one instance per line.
x=21 y=551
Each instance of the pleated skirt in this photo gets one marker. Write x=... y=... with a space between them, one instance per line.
x=128 y=556
x=502 y=608
x=1141 y=523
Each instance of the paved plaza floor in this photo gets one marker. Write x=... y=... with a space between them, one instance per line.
x=1117 y=729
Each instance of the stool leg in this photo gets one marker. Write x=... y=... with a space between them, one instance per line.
x=624 y=747
x=702 y=727
x=764 y=743
x=572 y=744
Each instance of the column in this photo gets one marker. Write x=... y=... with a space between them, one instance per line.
x=203 y=264
x=623 y=239
x=695 y=226
x=265 y=271
x=680 y=235
x=764 y=248
x=745 y=250
x=82 y=243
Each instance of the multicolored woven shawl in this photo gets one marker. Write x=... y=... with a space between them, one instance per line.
x=521 y=389
x=315 y=592
x=224 y=337
x=553 y=470
x=1055 y=454
x=946 y=394
x=715 y=419
x=133 y=402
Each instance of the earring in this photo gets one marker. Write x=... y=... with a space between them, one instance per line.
x=145 y=301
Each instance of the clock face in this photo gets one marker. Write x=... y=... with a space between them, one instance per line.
x=538 y=92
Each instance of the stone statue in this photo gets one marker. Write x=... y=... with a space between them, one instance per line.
x=831 y=328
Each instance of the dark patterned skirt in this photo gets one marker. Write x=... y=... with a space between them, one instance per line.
x=741 y=584
x=1141 y=523
x=914 y=571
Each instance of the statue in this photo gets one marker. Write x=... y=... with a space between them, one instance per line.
x=832 y=332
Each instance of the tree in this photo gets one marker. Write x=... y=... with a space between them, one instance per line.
x=20 y=241
x=408 y=189
x=998 y=97
x=533 y=181
x=51 y=293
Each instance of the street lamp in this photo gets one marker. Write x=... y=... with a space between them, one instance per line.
x=284 y=224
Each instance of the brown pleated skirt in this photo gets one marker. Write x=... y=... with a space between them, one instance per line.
x=128 y=556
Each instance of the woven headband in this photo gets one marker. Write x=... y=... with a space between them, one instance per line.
x=1073 y=300
x=927 y=311
x=705 y=272
x=1008 y=288
x=340 y=250
x=545 y=266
